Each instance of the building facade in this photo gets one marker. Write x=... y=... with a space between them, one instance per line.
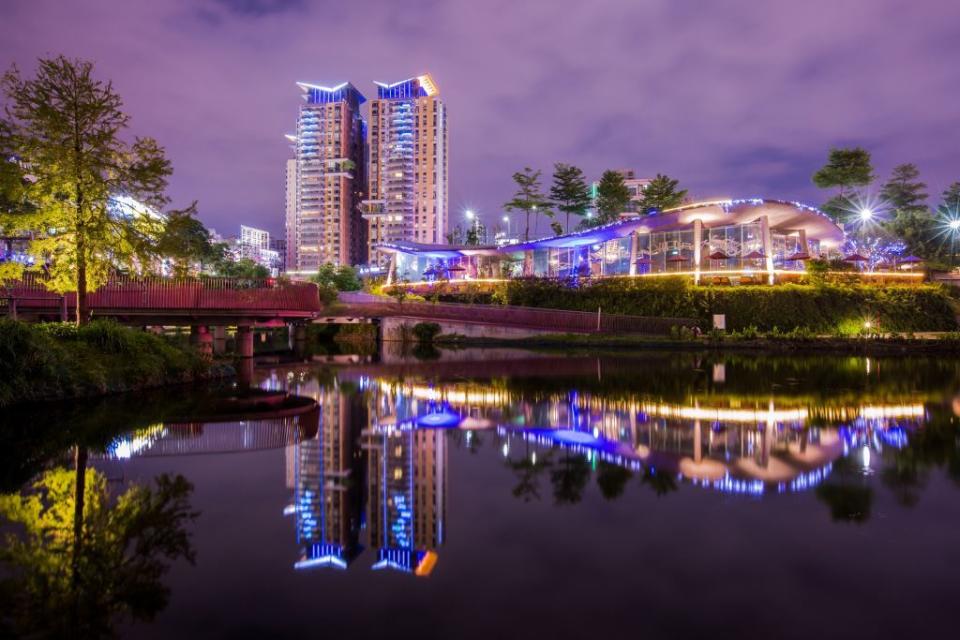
x=329 y=185
x=407 y=182
x=290 y=213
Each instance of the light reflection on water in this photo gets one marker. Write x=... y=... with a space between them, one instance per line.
x=371 y=464
x=368 y=466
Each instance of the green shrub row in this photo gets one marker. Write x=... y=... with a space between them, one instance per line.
x=46 y=361
x=829 y=308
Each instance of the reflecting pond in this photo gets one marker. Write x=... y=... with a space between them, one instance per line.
x=495 y=493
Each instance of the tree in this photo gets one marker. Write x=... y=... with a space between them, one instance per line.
x=569 y=191
x=528 y=197
x=950 y=201
x=613 y=196
x=58 y=589
x=242 y=268
x=661 y=194
x=67 y=126
x=185 y=240
x=846 y=169
x=342 y=278
x=906 y=197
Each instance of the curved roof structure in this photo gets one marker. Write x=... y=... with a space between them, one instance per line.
x=783 y=216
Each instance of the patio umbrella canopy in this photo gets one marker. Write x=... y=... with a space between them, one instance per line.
x=911 y=259
x=798 y=256
x=854 y=257
x=754 y=255
x=719 y=255
x=677 y=258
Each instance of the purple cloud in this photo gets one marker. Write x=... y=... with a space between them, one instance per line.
x=734 y=97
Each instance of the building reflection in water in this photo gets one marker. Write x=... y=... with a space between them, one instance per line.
x=324 y=474
x=721 y=443
x=367 y=461
x=367 y=451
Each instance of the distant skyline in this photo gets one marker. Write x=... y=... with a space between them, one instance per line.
x=736 y=98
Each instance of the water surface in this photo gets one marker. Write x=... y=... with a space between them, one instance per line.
x=501 y=494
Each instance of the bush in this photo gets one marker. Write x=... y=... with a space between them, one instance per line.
x=58 y=360
x=425 y=332
x=821 y=308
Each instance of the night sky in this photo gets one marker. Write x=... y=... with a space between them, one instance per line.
x=734 y=97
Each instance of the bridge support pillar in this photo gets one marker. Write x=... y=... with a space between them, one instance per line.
x=202 y=339
x=219 y=339
x=245 y=340
x=299 y=339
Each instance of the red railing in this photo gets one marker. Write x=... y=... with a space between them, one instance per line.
x=144 y=295
x=557 y=320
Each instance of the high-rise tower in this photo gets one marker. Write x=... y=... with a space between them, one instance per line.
x=330 y=178
x=407 y=140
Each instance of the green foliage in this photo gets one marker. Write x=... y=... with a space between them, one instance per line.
x=613 y=196
x=528 y=198
x=425 y=332
x=661 y=194
x=950 y=201
x=818 y=308
x=185 y=241
x=55 y=360
x=342 y=278
x=846 y=169
x=242 y=268
x=69 y=127
x=569 y=191
x=912 y=221
x=66 y=585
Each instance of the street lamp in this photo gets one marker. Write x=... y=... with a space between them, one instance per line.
x=507 y=220
x=866 y=214
x=954 y=226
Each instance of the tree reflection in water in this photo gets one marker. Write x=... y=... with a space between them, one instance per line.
x=612 y=479
x=660 y=483
x=569 y=478
x=61 y=582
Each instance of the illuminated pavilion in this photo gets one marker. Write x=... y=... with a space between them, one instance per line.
x=729 y=241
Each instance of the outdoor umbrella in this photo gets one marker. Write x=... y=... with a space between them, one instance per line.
x=719 y=255
x=800 y=255
x=754 y=255
x=456 y=267
x=854 y=257
x=677 y=258
x=911 y=259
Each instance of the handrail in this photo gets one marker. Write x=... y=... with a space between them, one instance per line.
x=560 y=320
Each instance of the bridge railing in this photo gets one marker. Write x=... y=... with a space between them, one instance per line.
x=558 y=320
x=135 y=294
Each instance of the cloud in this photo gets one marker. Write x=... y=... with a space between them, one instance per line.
x=735 y=97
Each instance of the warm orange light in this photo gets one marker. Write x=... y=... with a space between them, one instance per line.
x=427 y=564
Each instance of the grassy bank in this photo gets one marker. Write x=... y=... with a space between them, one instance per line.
x=839 y=309
x=53 y=361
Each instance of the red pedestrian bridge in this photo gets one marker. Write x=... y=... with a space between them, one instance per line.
x=245 y=303
x=166 y=301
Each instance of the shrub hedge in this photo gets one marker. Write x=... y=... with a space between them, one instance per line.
x=47 y=361
x=828 y=308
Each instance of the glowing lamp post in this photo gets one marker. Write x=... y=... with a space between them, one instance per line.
x=954 y=226
x=506 y=219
